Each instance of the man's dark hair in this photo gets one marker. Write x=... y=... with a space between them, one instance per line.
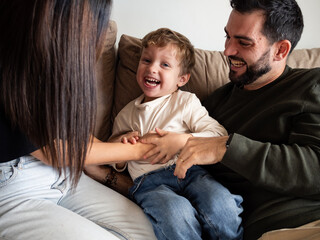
x=283 y=18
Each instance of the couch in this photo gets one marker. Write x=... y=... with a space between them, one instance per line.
x=117 y=84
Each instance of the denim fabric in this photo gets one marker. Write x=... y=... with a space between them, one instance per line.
x=197 y=207
x=35 y=203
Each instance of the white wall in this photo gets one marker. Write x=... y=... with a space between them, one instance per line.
x=201 y=21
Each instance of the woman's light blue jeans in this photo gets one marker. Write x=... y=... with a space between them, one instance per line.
x=197 y=207
x=36 y=204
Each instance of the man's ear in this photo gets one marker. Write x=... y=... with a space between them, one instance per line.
x=282 y=50
x=183 y=79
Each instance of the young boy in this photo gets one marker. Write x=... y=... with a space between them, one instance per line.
x=196 y=207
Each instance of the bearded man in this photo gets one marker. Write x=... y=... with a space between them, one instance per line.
x=271 y=157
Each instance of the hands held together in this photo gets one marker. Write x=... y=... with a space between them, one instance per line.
x=194 y=150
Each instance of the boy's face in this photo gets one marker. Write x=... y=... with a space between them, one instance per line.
x=158 y=72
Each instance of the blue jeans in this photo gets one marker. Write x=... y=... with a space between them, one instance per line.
x=197 y=207
x=35 y=203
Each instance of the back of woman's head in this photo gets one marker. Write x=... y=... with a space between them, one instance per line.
x=48 y=52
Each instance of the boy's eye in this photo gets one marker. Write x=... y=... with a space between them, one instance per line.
x=146 y=60
x=165 y=64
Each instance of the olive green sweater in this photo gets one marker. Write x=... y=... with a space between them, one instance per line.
x=273 y=159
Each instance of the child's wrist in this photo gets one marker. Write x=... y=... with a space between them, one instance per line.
x=184 y=139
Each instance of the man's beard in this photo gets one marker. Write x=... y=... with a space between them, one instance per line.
x=253 y=72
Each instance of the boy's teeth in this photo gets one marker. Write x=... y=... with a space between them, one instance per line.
x=152 y=81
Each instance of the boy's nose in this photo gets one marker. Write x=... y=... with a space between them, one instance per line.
x=152 y=68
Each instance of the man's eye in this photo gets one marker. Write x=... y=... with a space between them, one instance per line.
x=245 y=44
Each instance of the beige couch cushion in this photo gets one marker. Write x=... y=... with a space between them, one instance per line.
x=304 y=58
x=210 y=71
x=105 y=83
x=126 y=87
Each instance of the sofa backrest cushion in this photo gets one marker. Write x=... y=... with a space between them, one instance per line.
x=304 y=58
x=105 y=72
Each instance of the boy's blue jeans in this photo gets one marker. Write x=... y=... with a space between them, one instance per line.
x=197 y=207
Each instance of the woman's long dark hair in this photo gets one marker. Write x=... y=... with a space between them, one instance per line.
x=48 y=52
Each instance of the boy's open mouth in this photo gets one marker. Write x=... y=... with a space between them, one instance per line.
x=151 y=81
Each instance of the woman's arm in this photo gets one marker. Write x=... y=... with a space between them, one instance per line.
x=105 y=152
x=100 y=153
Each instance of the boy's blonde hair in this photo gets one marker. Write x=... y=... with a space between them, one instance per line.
x=164 y=36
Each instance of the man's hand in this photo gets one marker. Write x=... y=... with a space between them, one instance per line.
x=200 y=151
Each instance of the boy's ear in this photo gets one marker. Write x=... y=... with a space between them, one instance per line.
x=282 y=50
x=183 y=79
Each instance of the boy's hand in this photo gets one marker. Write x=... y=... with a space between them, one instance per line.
x=129 y=137
x=167 y=144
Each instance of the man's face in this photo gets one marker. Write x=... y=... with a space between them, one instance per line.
x=247 y=49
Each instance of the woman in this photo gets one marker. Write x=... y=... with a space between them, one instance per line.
x=48 y=52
